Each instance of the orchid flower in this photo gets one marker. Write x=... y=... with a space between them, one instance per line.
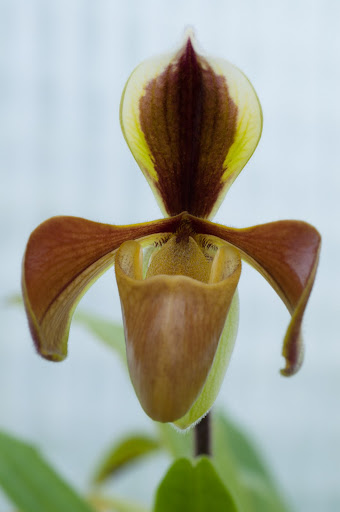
x=191 y=123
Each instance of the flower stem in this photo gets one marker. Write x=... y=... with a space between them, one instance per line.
x=203 y=437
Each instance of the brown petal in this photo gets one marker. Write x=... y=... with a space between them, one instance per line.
x=64 y=256
x=173 y=324
x=286 y=253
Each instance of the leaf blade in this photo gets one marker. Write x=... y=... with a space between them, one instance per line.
x=240 y=464
x=31 y=483
x=113 y=504
x=110 y=333
x=188 y=488
x=125 y=452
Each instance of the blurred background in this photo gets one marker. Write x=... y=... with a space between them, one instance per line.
x=63 y=65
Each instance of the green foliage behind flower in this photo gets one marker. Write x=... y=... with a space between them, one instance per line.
x=237 y=473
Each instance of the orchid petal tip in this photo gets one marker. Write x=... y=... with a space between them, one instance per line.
x=293 y=365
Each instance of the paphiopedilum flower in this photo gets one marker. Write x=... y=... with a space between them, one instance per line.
x=191 y=123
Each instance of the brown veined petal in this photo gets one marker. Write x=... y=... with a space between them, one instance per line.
x=286 y=253
x=173 y=324
x=191 y=123
x=64 y=256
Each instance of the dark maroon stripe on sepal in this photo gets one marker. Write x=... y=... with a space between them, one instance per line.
x=189 y=121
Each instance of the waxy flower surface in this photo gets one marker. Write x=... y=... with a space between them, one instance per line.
x=191 y=123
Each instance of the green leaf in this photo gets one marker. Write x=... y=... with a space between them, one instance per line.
x=111 y=504
x=125 y=452
x=31 y=483
x=237 y=460
x=193 y=488
x=108 y=332
x=240 y=465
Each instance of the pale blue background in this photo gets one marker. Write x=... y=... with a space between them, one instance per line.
x=63 y=67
